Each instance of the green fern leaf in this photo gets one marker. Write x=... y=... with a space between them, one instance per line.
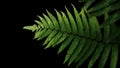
x=54 y=40
x=39 y=23
x=96 y=55
x=72 y=48
x=84 y=50
x=44 y=22
x=78 y=21
x=65 y=43
x=108 y=9
x=49 y=21
x=67 y=24
x=114 y=56
x=81 y=33
x=64 y=36
x=77 y=51
x=104 y=56
x=50 y=37
x=101 y=5
x=87 y=54
x=98 y=30
x=54 y=20
x=39 y=33
x=32 y=27
x=85 y=23
x=92 y=27
x=47 y=32
x=88 y=3
x=72 y=21
x=111 y=19
x=61 y=22
x=99 y=8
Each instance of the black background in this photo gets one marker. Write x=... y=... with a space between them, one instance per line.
x=24 y=51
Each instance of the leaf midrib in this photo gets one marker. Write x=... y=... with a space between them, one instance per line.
x=80 y=36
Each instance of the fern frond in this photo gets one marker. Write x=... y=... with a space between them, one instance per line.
x=81 y=33
x=99 y=8
x=32 y=27
x=104 y=56
x=72 y=21
x=65 y=43
x=102 y=7
x=101 y=4
x=72 y=47
x=83 y=57
x=111 y=19
x=77 y=50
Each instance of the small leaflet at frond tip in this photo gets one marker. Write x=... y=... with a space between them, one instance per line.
x=66 y=59
x=43 y=14
x=46 y=47
x=47 y=10
x=55 y=10
x=66 y=8
x=39 y=23
x=73 y=5
x=32 y=27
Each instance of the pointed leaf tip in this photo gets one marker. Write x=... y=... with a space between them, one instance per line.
x=32 y=27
